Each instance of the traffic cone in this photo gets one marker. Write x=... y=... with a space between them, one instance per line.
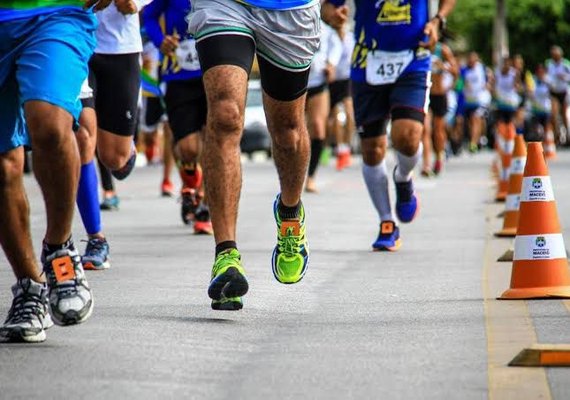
x=511 y=214
x=549 y=145
x=506 y=140
x=540 y=267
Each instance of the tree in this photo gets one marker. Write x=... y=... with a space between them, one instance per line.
x=533 y=25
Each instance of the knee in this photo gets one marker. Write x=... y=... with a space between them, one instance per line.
x=288 y=133
x=225 y=119
x=373 y=152
x=86 y=145
x=116 y=158
x=11 y=168
x=406 y=136
x=48 y=133
x=187 y=150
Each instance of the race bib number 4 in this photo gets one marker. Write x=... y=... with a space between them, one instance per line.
x=187 y=55
x=385 y=67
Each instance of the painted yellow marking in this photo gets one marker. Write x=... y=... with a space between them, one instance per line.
x=509 y=327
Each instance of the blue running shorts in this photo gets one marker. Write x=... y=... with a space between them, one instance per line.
x=42 y=58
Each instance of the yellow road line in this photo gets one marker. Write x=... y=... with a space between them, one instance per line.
x=508 y=325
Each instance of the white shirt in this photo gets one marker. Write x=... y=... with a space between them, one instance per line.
x=558 y=74
x=343 y=67
x=475 y=84
x=118 y=33
x=329 y=52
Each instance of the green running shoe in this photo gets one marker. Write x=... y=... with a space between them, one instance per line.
x=291 y=255
x=228 y=282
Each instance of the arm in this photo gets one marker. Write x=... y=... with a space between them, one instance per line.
x=98 y=4
x=434 y=26
x=151 y=15
x=448 y=56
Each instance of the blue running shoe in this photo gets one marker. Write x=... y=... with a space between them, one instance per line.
x=407 y=203
x=388 y=238
x=126 y=170
x=96 y=255
x=110 y=203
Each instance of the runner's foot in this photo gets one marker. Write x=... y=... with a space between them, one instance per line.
x=388 y=238
x=96 y=255
x=229 y=282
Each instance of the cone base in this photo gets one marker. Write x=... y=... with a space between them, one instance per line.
x=555 y=292
x=501 y=197
x=508 y=256
x=506 y=233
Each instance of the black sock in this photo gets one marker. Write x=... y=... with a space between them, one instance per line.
x=222 y=246
x=316 y=149
x=286 y=212
x=52 y=248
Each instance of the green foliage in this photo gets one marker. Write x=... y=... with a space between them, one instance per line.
x=534 y=25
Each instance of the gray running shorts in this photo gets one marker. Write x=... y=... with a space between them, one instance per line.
x=287 y=39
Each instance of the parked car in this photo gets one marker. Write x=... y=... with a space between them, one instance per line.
x=255 y=133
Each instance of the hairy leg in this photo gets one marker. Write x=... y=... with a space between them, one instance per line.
x=226 y=88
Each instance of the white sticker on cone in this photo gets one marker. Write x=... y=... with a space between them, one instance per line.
x=512 y=202
x=517 y=165
x=537 y=188
x=539 y=247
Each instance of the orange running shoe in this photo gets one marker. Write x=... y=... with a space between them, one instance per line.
x=167 y=188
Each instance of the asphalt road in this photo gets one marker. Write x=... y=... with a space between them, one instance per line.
x=361 y=325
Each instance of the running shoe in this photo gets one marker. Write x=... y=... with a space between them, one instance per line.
x=291 y=254
x=190 y=200
x=388 y=238
x=126 y=170
x=202 y=221
x=96 y=255
x=343 y=160
x=110 y=203
x=407 y=204
x=325 y=157
x=228 y=282
x=167 y=188
x=426 y=173
x=438 y=167
x=69 y=296
x=473 y=148
x=28 y=317
x=311 y=186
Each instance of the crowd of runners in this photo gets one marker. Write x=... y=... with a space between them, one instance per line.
x=79 y=80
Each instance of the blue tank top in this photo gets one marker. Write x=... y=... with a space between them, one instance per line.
x=391 y=26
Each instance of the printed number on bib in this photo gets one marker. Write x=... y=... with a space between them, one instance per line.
x=187 y=55
x=384 y=67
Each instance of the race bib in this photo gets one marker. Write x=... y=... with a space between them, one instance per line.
x=385 y=67
x=187 y=55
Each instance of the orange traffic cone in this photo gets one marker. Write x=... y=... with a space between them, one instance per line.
x=511 y=214
x=549 y=145
x=540 y=267
x=506 y=142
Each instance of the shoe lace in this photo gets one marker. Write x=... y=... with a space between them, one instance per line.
x=224 y=259
x=24 y=306
x=289 y=244
x=94 y=246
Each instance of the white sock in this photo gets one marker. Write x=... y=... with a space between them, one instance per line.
x=406 y=165
x=376 y=178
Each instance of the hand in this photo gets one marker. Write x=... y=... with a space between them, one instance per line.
x=334 y=16
x=431 y=31
x=99 y=4
x=330 y=73
x=169 y=45
x=126 y=7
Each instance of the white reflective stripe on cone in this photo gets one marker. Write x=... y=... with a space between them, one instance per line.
x=512 y=203
x=537 y=188
x=517 y=165
x=539 y=247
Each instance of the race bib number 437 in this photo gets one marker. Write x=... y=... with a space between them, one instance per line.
x=385 y=67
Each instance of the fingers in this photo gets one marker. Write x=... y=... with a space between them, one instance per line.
x=431 y=37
